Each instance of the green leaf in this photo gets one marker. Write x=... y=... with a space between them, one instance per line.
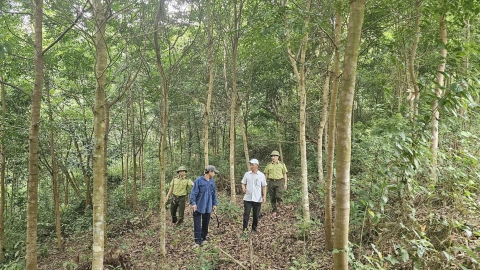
x=405 y=256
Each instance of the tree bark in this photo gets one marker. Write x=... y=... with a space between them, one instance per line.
x=321 y=127
x=415 y=95
x=2 y=175
x=56 y=198
x=159 y=18
x=36 y=99
x=206 y=115
x=243 y=129
x=142 y=137
x=332 y=133
x=343 y=144
x=86 y=177
x=237 y=18
x=127 y=155
x=134 y=153
x=300 y=73
x=438 y=92
x=100 y=118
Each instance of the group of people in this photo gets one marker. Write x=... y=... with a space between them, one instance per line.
x=204 y=200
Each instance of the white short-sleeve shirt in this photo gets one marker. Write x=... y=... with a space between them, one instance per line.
x=254 y=182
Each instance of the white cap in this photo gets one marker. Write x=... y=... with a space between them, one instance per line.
x=254 y=161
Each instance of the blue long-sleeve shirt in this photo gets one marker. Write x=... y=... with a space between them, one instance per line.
x=204 y=194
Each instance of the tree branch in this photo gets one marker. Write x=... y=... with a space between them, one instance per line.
x=68 y=29
x=15 y=87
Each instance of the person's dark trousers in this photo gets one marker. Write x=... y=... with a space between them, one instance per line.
x=178 y=203
x=275 y=188
x=200 y=226
x=249 y=205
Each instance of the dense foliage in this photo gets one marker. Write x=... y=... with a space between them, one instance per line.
x=400 y=216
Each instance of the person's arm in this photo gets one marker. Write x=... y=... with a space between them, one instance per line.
x=264 y=189
x=215 y=199
x=244 y=183
x=285 y=176
x=193 y=196
x=265 y=172
x=169 y=192
x=189 y=189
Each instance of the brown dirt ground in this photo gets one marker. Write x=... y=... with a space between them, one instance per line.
x=136 y=245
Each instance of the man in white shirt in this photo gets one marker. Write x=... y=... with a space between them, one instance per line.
x=254 y=186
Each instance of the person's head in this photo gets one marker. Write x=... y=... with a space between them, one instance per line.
x=210 y=170
x=275 y=155
x=181 y=171
x=254 y=165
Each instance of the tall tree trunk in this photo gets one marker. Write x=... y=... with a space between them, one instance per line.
x=56 y=198
x=86 y=176
x=2 y=175
x=142 y=136
x=36 y=99
x=415 y=95
x=321 y=127
x=99 y=126
x=332 y=132
x=343 y=144
x=237 y=19
x=243 y=129
x=206 y=115
x=300 y=73
x=159 y=18
x=438 y=92
x=65 y=183
x=134 y=153
x=303 y=120
x=127 y=155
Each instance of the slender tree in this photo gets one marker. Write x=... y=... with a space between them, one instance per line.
x=332 y=132
x=438 y=92
x=33 y=166
x=56 y=197
x=99 y=127
x=206 y=114
x=300 y=74
x=2 y=174
x=237 y=20
x=343 y=142
x=134 y=152
x=415 y=94
x=162 y=148
x=321 y=127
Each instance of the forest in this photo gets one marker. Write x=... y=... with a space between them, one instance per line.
x=373 y=107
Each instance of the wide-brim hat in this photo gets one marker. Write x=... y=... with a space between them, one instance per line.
x=275 y=153
x=181 y=168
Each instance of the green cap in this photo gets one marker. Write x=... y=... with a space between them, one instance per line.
x=181 y=168
x=275 y=153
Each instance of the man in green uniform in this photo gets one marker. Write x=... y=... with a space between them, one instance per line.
x=180 y=187
x=276 y=174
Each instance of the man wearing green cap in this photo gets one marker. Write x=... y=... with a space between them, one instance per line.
x=180 y=187
x=275 y=172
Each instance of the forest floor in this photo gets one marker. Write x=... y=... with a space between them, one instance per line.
x=135 y=244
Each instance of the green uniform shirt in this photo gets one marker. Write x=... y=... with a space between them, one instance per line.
x=181 y=186
x=275 y=171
